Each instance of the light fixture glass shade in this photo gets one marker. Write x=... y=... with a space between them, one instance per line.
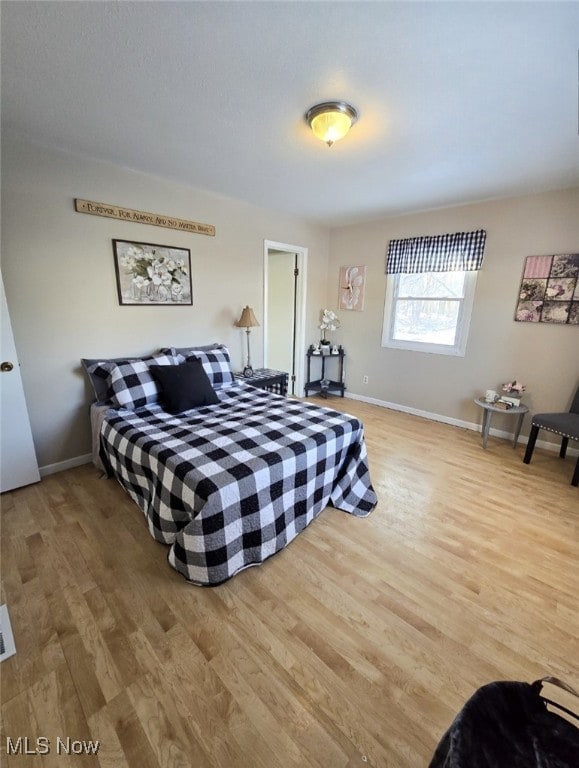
x=331 y=120
x=331 y=126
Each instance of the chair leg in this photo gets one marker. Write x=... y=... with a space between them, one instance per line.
x=531 y=444
x=564 y=444
x=575 y=480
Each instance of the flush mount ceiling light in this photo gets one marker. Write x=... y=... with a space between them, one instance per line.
x=331 y=120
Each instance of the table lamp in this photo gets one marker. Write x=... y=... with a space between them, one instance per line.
x=247 y=321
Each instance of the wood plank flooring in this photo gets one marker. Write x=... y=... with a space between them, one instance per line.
x=354 y=647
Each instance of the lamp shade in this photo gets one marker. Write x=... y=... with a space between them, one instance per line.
x=331 y=120
x=247 y=319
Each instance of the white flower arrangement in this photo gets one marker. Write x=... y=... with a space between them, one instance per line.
x=328 y=322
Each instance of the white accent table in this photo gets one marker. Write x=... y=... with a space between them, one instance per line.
x=490 y=408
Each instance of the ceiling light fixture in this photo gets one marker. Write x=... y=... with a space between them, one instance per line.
x=331 y=120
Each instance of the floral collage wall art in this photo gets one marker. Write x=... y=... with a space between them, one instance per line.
x=550 y=290
x=152 y=274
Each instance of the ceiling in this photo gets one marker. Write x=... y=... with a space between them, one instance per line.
x=458 y=101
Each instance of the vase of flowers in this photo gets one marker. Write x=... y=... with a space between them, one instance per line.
x=513 y=392
x=514 y=387
x=328 y=322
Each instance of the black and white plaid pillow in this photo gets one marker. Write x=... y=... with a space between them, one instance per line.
x=133 y=386
x=216 y=364
x=102 y=370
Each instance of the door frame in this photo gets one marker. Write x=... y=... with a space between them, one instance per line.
x=300 y=320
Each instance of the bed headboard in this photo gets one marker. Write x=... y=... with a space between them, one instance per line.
x=100 y=383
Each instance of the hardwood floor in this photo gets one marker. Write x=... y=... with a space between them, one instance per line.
x=355 y=646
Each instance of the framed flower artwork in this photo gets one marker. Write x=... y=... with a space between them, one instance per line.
x=352 y=288
x=549 y=291
x=151 y=274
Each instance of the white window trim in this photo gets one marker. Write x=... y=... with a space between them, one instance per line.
x=463 y=321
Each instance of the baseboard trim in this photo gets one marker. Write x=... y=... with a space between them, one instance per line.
x=77 y=461
x=61 y=466
x=548 y=446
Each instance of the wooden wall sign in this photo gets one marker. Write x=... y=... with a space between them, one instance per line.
x=142 y=217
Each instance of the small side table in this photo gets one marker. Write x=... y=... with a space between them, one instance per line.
x=324 y=385
x=490 y=408
x=266 y=378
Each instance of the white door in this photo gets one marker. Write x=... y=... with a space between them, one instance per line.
x=18 y=465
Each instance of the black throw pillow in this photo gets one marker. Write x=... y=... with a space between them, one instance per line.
x=183 y=386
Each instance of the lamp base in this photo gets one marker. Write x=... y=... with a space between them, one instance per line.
x=248 y=371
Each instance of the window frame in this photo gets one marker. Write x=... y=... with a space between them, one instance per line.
x=458 y=349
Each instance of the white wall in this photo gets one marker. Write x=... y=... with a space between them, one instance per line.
x=59 y=277
x=545 y=357
x=60 y=284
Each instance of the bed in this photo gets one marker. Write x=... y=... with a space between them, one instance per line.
x=228 y=483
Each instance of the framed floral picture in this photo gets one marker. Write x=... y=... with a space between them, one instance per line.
x=549 y=291
x=352 y=288
x=150 y=274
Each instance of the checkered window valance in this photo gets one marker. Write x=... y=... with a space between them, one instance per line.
x=460 y=252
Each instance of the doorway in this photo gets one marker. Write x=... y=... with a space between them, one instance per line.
x=284 y=310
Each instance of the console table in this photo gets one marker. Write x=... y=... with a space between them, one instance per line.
x=266 y=378
x=324 y=385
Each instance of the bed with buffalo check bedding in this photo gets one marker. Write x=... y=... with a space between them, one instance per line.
x=228 y=485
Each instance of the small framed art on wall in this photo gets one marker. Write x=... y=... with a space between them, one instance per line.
x=352 y=288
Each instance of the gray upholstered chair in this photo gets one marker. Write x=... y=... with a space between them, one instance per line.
x=565 y=424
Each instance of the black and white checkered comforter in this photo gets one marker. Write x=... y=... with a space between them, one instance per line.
x=228 y=485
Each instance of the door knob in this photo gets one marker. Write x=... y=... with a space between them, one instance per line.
x=6 y=366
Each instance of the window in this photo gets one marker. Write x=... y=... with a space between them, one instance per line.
x=430 y=291
x=429 y=311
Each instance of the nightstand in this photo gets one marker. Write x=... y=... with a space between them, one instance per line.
x=266 y=378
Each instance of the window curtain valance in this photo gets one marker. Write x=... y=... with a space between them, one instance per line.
x=459 y=252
